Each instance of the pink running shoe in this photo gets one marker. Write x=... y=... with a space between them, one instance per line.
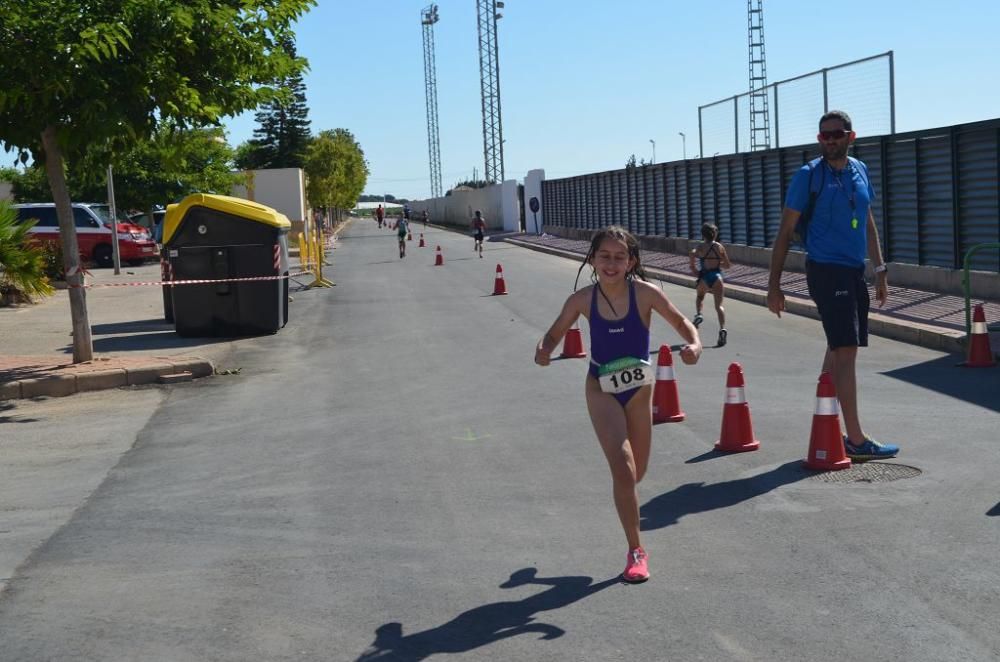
x=636 y=570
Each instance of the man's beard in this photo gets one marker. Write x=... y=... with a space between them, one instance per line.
x=835 y=152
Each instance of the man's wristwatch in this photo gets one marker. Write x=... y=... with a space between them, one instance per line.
x=881 y=269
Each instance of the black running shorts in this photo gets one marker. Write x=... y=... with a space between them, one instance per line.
x=842 y=300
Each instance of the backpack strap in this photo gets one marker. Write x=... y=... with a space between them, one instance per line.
x=802 y=226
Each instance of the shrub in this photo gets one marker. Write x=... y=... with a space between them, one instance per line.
x=22 y=264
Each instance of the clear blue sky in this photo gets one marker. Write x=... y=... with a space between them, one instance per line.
x=584 y=84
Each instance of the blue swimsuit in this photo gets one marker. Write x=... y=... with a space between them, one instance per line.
x=709 y=275
x=615 y=339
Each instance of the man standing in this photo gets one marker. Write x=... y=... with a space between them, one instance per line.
x=478 y=228
x=835 y=193
x=379 y=215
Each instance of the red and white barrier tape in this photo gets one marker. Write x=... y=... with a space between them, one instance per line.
x=171 y=283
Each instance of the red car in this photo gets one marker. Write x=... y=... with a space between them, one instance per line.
x=93 y=232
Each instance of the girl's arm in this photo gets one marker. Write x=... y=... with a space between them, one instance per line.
x=571 y=310
x=691 y=263
x=668 y=311
x=724 y=257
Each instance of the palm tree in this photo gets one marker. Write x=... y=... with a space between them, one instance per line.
x=22 y=264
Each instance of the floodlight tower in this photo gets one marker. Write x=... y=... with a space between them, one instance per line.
x=760 y=127
x=428 y=17
x=488 y=13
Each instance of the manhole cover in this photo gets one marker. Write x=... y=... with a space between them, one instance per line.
x=868 y=472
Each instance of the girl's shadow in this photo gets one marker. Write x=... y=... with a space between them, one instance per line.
x=481 y=626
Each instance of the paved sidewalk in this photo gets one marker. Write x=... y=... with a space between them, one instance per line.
x=928 y=319
x=133 y=345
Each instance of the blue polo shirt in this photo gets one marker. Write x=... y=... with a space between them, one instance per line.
x=838 y=230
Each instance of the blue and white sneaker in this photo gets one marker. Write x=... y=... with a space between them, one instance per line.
x=869 y=449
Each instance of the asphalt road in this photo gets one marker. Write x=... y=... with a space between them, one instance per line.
x=390 y=477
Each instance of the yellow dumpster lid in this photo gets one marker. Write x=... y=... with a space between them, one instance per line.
x=227 y=204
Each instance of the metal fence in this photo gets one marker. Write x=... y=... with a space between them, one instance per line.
x=937 y=194
x=865 y=86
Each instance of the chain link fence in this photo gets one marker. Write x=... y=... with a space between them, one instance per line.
x=864 y=88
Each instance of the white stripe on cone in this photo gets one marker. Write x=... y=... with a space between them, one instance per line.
x=665 y=373
x=979 y=327
x=827 y=407
x=735 y=395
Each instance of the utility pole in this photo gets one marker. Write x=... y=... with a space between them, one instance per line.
x=116 y=256
x=489 y=82
x=428 y=17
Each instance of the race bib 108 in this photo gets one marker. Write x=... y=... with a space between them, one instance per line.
x=625 y=374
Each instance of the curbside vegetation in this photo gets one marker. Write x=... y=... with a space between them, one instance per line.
x=24 y=265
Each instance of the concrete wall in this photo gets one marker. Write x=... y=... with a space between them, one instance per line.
x=5 y=191
x=533 y=189
x=283 y=189
x=498 y=204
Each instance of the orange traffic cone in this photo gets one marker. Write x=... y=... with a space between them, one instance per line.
x=499 y=286
x=826 y=441
x=438 y=259
x=409 y=236
x=737 y=430
x=666 y=404
x=421 y=244
x=573 y=345
x=979 y=354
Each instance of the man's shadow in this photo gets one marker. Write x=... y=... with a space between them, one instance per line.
x=667 y=509
x=481 y=626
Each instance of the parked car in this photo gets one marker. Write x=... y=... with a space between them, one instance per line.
x=142 y=220
x=93 y=232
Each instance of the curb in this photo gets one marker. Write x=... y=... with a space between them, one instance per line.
x=923 y=335
x=57 y=386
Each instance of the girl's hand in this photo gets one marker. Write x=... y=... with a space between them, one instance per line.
x=541 y=356
x=691 y=353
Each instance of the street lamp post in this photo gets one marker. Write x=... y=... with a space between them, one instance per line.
x=684 y=149
x=653 y=143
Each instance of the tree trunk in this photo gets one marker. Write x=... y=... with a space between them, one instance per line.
x=83 y=348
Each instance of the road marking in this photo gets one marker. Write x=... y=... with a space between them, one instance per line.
x=470 y=436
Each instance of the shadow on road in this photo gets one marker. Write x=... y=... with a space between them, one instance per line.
x=978 y=386
x=8 y=406
x=132 y=326
x=667 y=509
x=147 y=341
x=707 y=455
x=484 y=625
x=994 y=511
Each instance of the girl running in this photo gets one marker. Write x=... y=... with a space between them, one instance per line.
x=478 y=228
x=712 y=258
x=619 y=305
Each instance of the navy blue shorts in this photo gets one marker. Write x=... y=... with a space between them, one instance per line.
x=841 y=296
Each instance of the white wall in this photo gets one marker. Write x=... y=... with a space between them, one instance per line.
x=281 y=188
x=498 y=204
x=533 y=222
x=5 y=191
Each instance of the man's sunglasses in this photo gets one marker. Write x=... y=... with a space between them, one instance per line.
x=832 y=135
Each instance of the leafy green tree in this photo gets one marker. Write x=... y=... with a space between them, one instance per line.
x=99 y=75
x=282 y=135
x=336 y=169
x=22 y=264
x=173 y=163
